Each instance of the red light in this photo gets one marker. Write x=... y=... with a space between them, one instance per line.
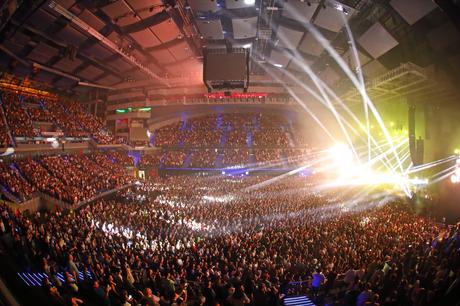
x=239 y=95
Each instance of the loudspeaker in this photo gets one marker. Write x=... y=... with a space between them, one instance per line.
x=226 y=70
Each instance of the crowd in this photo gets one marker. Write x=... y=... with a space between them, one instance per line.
x=22 y=111
x=151 y=159
x=209 y=158
x=170 y=135
x=229 y=130
x=204 y=158
x=70 y=178
x=271 y=137
x=13 y=182
x=84 y=175
x=45 y=182
x=237 y=137
x=269 y=156
x=121 y=158
x=235 y=157
x=175 y=159
x=91 y=123
x=221 y=241
x=18 y=120
x=4 y=138
x=296 y=156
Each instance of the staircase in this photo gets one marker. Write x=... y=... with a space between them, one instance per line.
x=9 y=195
x=152 y=139
x=219 y=160
x=223 y=139
x=14 y=166
x=249 y=138
x=288 y=133
x=284 y=159
x=252 y=158
x=188 y=160
x=302 y=300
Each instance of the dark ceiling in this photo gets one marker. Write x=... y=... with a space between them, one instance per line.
x=80 y=45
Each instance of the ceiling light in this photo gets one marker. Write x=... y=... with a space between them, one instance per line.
x=249 y=2
x=278 y=65
x=247 y=46
x=341 y=8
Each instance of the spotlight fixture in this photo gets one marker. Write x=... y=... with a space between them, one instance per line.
x=341 y=8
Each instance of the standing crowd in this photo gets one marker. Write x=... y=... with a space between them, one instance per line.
x=237 y=241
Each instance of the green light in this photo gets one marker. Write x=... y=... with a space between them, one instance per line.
x=392 y=124
x=121 y=111
x=457 y=151
x=145 y=109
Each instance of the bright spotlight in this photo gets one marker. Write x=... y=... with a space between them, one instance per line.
x=454 y=179
x=247 y=172
x=341 y=154
x=249 y=2
x=223 y=172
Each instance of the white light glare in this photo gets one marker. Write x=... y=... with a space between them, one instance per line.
x=7 y=152
x=221 y=199
x=419 y=182
x=341 y=155
x=249 y=2
x=341 y=8
x=278 y=65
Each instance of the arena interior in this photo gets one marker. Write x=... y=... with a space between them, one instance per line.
x=230 y=152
